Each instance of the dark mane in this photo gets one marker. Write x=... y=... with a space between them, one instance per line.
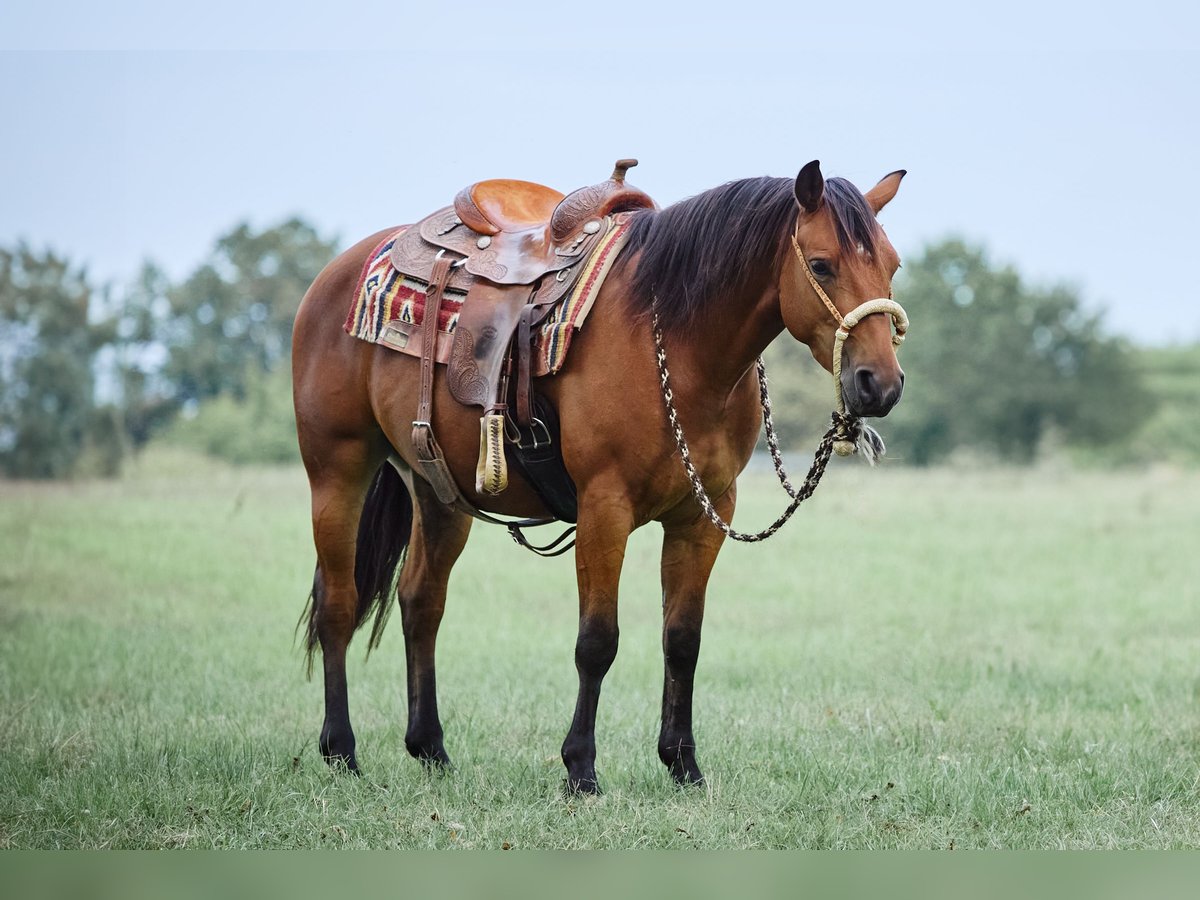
x=733 y=234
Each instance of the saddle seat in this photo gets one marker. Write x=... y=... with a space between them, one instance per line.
x=517 y=231
x=506 y=205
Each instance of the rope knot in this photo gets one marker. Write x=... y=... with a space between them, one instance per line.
x=852 y=435
x=847 y=430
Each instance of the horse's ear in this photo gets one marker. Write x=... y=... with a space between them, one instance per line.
x=880 y=195
x=810 y=187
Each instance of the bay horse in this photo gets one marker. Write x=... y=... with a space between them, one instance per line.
x=722 y=274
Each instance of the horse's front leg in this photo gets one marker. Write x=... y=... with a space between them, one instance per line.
x=689 y=552
x=599 y=552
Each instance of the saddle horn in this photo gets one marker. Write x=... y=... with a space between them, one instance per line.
x=623 y=166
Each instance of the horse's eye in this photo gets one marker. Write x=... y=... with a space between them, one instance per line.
x=820 y=267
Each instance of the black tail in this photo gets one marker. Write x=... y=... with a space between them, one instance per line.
x=384 y=528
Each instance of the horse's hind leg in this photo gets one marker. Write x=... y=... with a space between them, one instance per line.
x=687 y=559
x=339 y=476
x=439 y=535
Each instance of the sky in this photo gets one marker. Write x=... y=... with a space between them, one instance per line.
x=1063 y=143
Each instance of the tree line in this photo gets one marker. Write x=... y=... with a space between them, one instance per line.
x=91 y=374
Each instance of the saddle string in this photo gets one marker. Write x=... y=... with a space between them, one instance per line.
x=555 y=548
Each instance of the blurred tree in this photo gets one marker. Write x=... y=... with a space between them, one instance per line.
x=46 y=349
x=232 y=319
x=140 y=325
x=1172 y=434
x=995 y=365
x=258 y=429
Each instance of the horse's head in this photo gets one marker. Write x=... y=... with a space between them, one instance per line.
x=841 y=252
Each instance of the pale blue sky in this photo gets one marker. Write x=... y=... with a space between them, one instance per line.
x=1065 y=145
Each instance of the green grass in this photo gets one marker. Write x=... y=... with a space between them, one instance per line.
x=921 y=659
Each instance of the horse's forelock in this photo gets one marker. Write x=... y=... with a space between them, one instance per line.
x=853 y=218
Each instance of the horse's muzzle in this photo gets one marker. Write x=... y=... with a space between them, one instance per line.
x=867 y=394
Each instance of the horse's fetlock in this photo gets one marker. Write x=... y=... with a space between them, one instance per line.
x=426 y=745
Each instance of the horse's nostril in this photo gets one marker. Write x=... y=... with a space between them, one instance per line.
x=867 y=385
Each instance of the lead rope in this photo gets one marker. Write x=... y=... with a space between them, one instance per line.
x=846 y=434
x=820 y=460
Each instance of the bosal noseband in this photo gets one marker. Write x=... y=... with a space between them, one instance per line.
x=847 y=434
x=856 y=434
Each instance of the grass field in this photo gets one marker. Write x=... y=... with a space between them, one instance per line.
x=922 y=659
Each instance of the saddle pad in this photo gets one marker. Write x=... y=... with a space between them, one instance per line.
x=384 y=296
x=554 y=337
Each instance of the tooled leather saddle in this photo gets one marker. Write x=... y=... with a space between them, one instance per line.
x=516 y=249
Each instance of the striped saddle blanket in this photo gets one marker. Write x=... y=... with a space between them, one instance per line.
x=389 y=307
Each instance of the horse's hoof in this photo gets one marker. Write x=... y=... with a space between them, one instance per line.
x=431 y=753
x=437 y=763
x=340 y=762
x=585 y=786
x=687 y=776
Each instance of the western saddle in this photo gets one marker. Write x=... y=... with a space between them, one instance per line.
x=516 y=248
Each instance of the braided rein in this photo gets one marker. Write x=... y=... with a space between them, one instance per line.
x=843 y=425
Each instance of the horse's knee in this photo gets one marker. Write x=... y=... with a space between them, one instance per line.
x=596 y=646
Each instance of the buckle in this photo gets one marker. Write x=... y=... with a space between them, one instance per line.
x=523 y=436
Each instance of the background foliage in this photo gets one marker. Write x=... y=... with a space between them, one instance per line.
x=998 y=369
x=46 y=348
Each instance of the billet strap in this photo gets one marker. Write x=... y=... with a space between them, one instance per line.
x=524 y=366
x=429 y=324
x=537 y=453
x=429 y=454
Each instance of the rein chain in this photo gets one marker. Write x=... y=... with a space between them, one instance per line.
x=846 y=435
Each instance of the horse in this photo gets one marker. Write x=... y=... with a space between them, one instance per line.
x=722 y=274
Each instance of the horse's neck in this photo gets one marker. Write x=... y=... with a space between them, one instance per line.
x=727 y=339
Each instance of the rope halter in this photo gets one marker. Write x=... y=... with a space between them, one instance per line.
x=845 y=435
x=851 y=433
